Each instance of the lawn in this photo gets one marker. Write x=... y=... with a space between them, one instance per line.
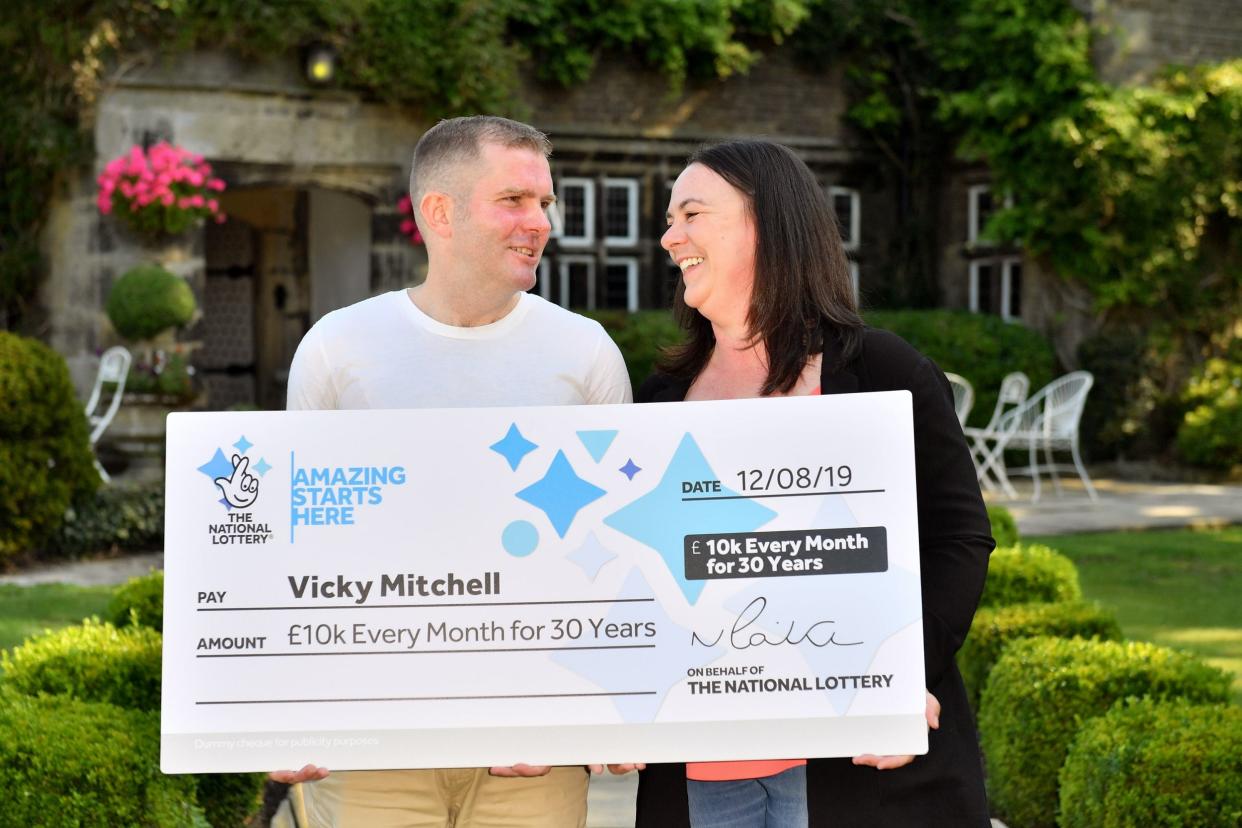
x=1179 y=588
x=25 y=611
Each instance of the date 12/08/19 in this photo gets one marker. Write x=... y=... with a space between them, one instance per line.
x=781 y=479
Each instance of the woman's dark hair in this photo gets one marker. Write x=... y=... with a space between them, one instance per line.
x=802 y=294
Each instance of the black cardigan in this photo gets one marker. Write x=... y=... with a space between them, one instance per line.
x=944 y=787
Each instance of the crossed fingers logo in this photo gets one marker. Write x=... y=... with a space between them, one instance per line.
x=241 y=488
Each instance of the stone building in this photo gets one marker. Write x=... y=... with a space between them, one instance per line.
x=314 y=176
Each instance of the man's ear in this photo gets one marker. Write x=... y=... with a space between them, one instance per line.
x=436 y=210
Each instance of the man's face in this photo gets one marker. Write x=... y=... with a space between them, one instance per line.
x=502 y=232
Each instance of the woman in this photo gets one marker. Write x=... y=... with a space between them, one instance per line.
x=766 y=302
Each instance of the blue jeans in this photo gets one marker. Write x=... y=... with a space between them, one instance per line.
x=771 y=802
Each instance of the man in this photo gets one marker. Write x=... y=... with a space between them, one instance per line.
x=470 y=335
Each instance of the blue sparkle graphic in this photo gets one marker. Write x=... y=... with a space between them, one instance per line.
x=629 y=469
x=561 y=493
x=591 y=556
x=243 y=445
x=597 y=442
x=217 y=466
x=661 y=520
x=513 y=446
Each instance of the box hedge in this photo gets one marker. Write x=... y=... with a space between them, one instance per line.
x=1025 y=574
x=640 y=336
x=1004 y=527
x=1043 y=689
x=995 y=627
x=139 y=601
x=115 y=519
x=91 y=661
x=1210 y=433
x=45 y=457
x=1148 y=764
x=981 y=347
x=66 y=763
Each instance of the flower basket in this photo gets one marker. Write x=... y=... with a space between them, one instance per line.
x=160 y=192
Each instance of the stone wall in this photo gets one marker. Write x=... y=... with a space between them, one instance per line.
x=1142 y=36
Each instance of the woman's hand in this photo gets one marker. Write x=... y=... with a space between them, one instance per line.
x=891 y=762
x=309 y=773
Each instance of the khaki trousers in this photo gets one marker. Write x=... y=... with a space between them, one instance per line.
x=440 y=798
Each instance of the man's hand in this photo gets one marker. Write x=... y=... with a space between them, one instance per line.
x=521 y=770
x=932 y=712
x=241 y=487
x=628 y=767
x=309 y=773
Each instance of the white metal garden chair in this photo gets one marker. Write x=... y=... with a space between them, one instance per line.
x=113 y=369
x=963 y=396
x=1048 y=422
x=987 y=443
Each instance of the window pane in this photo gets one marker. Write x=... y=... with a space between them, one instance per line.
x=1015 y=290
x=579 y=281
x=843 y=206
x=989 y=293
x=617 y=211
x=616 y=288
x=984 y=208
x=573 y=211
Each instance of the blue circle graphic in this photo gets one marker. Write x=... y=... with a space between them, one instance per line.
x=520 y=538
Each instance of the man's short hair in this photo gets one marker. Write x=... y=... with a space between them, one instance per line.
x=457 y=141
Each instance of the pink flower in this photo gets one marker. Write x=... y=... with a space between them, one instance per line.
x=213 y=205
x=167 y=199
x=215 y=184
x=104 y=200
x=405 y=205
x=220 y=218
x=408 y=227
x=196 y=200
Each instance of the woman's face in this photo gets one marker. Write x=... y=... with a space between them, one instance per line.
x=712 y=239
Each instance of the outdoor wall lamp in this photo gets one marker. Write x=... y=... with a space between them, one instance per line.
x=320 y=64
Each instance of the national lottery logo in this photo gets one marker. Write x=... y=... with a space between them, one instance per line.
x=236 y=478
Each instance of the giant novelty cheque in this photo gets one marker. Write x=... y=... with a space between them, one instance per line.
x=559 y=585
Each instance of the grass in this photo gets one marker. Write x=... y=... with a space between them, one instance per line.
x=25 y=611
x=1179 y=588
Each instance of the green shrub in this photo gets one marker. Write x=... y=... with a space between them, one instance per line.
x=91 y=661
x=45 y=458
x=147 y=300
x=229 y=799
x=1148 y=764
x=1004 y=527
x=981 y=347
x=66 y=763
x=1042 y=690
x=995 y=627
x=1211 y=432
x=116 y=519
x=139 y=601
x=640 y=336
x=1027 y=574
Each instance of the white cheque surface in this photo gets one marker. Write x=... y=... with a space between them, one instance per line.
x=562 y=585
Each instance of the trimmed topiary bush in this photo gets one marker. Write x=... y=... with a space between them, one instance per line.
x=995 y=627
x=139 y=601
x=45 y=458
x=1004 y=527
x=92 y=661
x=148 y=300
x=1029 y=574
x=1042 y=690
x=66 y=763
x=981 y=347
x=640 y=336
x=1148 y=764
x=229 y=799
x=115 y=519
x=1211 y=432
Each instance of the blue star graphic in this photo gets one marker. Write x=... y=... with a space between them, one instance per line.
x=591 y=556
x=560 y=493
x=262 y=467
x=661 y=520
x=217 y=466
x=243 y=445
x=513 y=446
x=629 y=469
